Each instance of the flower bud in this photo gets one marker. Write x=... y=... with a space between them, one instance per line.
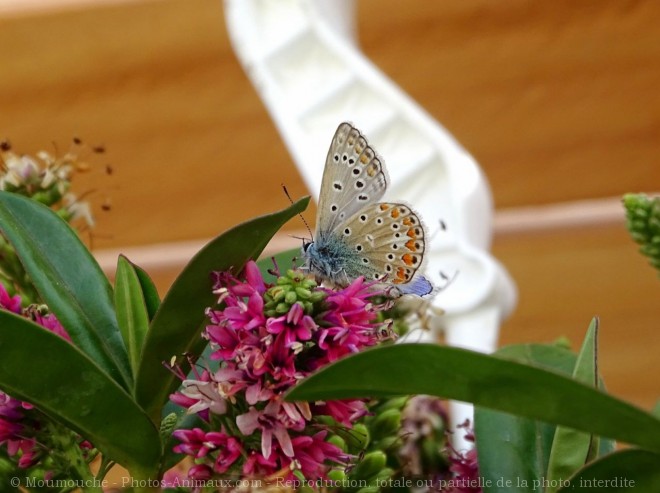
x=370 y=465
x=338 y=442
x=357 y=438
x=283 y=281
x=336 y=475
x=308 y=283
x=282 y=308
x=317 y=296
x=291 y=297
x=167 y=425
x=303 y=293
x=386 y=423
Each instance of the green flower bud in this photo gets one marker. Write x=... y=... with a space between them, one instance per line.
x=338 y=441
x=357 y=438
x=394 y=403
x=389 y=443
x=168 y=425
x=386 y=423
x=278 y=293
x=303 y=293
x=336 y=475
x=369 y=466
x=385 y=474
x=317 y=296
x=282 y=308
x=643 y=215
x=308 y=283
x=291 y=297
x=283 y=281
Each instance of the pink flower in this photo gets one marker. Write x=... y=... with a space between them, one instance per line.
x=345 y=412
x=267 y=338
x=313 y=452
x=51 y=323
x=295 y=325
x=259 y=466
x=9 y=303
x=205 y=396
x=198 y=444
x=272 y=423
x=21 y=425
x=200 y=472
x=228 y=452
x=464 y=466
x=195 y=442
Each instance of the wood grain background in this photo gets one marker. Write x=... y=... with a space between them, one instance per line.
x=558 y=101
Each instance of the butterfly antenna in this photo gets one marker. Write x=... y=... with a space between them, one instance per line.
x=309 y=230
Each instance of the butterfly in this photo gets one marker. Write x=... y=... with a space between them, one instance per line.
x=356 y=234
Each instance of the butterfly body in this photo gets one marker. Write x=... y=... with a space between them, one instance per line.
x=357 y=235
x=333 y=259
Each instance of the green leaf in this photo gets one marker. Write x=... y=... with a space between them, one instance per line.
x=149 y=291
x=177 y=326
x=68 y=279
x=131 y=308
x=512 y=447
x=619 y=472
x=656 y=410
x=484 y=380
x=570 y=447
x=61 y=381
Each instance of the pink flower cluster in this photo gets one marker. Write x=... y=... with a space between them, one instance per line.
x=267 y=338
x=464 y=465
x=18 y=424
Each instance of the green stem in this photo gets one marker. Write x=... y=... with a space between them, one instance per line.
x=70 y=457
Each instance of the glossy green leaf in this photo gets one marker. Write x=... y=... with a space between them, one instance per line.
x=40 y=367
x=514 y=448
x=570 y=447
x=149 y=291
x=68 y=279
x=177 y=326
x=485 y=380
x=131 y=309
x=620 y=472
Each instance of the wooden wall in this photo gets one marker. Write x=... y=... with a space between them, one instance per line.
x=558 y=101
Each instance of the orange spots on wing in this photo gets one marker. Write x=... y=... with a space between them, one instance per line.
x=411 y=245
x=407 y=222
x=408 y=259
x=400 y=276
x=411 y=233
x=372 y=170
x=395 y=213
x=364 y=159
x=384 y=207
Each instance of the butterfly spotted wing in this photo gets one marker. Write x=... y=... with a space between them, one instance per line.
x=357 y=236
x=354 y=177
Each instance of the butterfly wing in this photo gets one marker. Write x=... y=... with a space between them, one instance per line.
x=389 y=243
x=354 y=177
